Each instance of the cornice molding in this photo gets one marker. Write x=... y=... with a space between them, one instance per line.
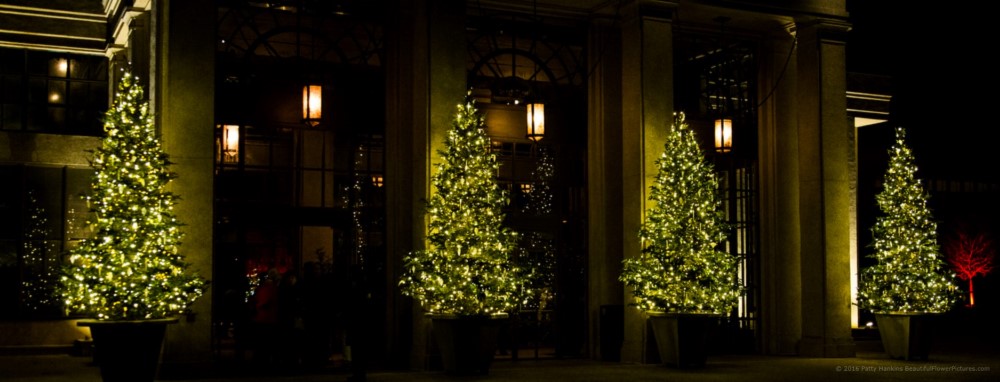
x=28 y=27
x=826 y=29
x=51 y=13
x=53 y=48
x=796 y=8
x=540 y=9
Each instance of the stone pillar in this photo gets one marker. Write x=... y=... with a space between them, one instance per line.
x=182 y=94
x=400 y=179
x=647 y=115
x=781 y=292
x=604 y=192
x=425 y=80
x=138 y=47
x=824 y=189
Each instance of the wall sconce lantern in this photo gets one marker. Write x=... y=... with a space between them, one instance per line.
x=536 y=121
x=378 y=181
x=525 y=188
x=723 y=135
x=230 y=143
x=312 y=104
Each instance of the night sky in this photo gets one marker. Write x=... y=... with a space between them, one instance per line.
x=944 y=82
x=944 y=95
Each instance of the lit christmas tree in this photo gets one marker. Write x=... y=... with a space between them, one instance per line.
x=680 y=269
x=466 y=269
x=131 y=268
x=537 y=262
x=909 y=274
x=537 y=257
x=539 y=195
x=38 y=288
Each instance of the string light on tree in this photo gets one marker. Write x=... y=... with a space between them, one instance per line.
x=680 y=269
x=466 y=268
x=537 y=261
x=356 y=200
x=909 y=275
x=38 y=288
x=537 y=257
x=131 y=268
x=539 y=194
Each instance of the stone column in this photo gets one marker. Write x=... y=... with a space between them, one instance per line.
x=824 y=140
x=647 y=115
x=781 y=292
x=139 y=49
x=425 y=80
x=182 y=94
x=604 y=192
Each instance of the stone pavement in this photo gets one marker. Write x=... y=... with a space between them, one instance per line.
x=867 y=366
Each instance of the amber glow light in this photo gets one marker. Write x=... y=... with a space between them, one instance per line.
x=312 y=104
x=536 y=121
x=231 y=142
x=58 y=67
x=723 y=135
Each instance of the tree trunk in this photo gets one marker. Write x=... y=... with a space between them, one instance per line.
x=972 y=296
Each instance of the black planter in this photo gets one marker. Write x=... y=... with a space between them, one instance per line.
x=128 y=351
x=905 y=335
x=467 y=344
x=682 y=338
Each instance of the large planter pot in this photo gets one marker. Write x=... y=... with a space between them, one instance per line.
x=682 y=338
x=128 y=351
x=467 y=344
x=905 y=335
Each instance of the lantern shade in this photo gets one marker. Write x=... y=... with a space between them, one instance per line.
x=536 y=121
x=230 y=143
x=723 y=135
x=312 y=104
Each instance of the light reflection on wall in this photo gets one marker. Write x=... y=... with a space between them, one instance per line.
x=855 y=314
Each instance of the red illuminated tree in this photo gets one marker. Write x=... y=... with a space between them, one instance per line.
x=970 y=256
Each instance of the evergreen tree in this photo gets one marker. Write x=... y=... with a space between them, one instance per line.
x=680 y=269
x=41 y=276
x=537 y=263
x=466 y=268
x=131 y=268
x=537 y=256
x=539 y=196
x=909 y=274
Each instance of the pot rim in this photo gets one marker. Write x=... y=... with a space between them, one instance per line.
x=96 y=322
x=901 y=313
x=659 y=313
x=452 y=316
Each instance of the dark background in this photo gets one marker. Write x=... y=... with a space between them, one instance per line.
x=944 y=85
x=945 y=82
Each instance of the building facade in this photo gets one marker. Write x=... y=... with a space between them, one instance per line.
x=336 y=190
